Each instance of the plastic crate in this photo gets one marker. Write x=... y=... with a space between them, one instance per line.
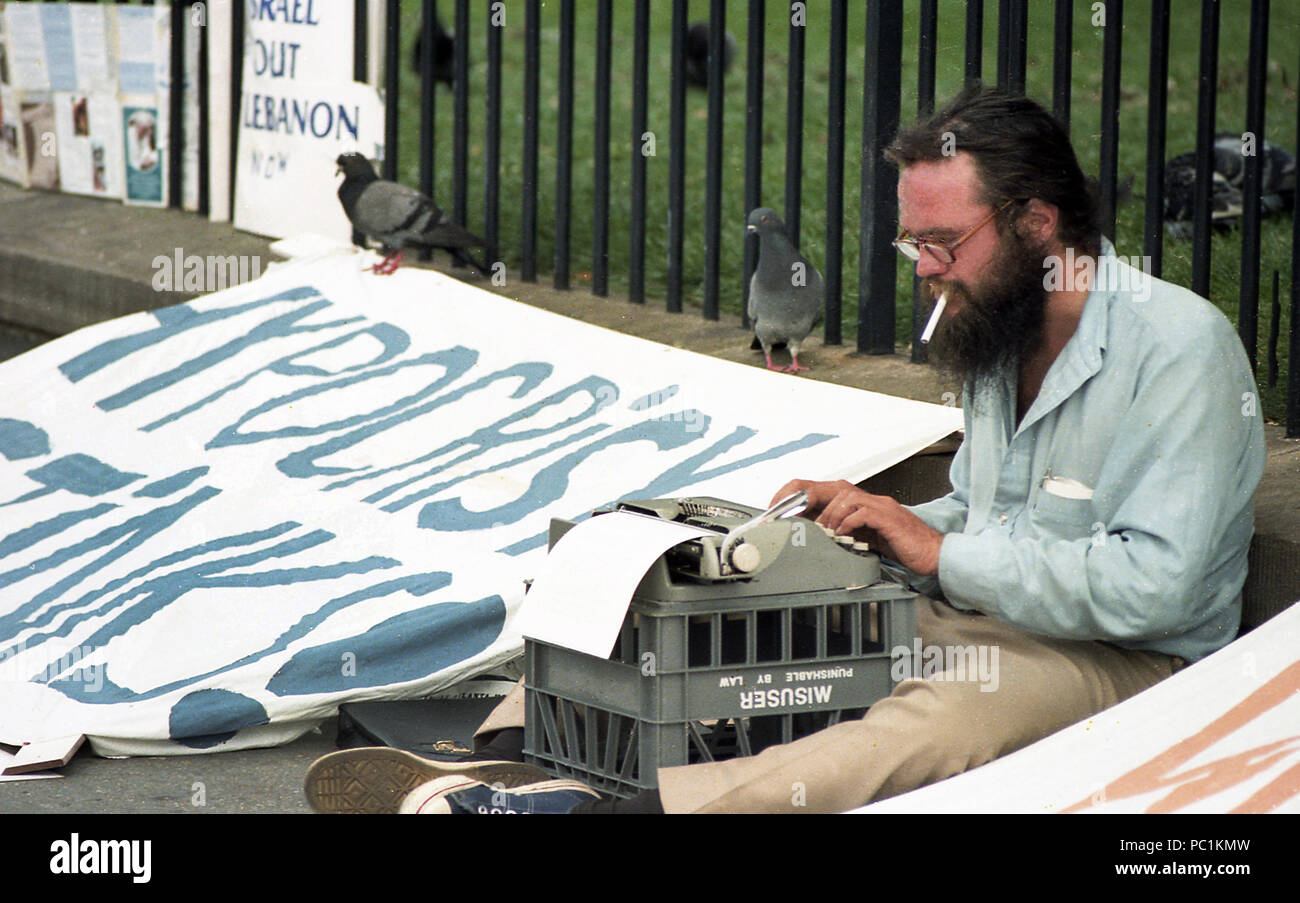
x=706 y=680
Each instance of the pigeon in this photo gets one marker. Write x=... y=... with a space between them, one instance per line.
x=697 y=53
x=444 y=51
x=785 y=293
x=399 y=217
x=1227 y=182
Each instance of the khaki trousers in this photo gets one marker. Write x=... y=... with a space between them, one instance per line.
x=930 y=728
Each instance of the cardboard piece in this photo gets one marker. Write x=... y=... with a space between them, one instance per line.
x=53 y=753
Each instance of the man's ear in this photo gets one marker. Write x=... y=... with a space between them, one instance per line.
x=1038 y=220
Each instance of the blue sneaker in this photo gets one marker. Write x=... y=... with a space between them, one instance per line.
x=462 y=795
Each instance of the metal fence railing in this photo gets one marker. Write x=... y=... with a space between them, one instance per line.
x=1129 y=62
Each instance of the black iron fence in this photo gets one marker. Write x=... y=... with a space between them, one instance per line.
x=872 y=34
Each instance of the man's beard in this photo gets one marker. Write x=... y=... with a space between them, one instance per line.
x=1001 y=320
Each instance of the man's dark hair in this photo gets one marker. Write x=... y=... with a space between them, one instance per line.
x=1020 y=152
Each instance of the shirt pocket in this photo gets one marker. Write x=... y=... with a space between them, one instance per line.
x=1064 y=518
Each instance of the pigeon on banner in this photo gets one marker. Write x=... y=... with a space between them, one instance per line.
x=785 y=293
x=399 y=217
x=696 y=57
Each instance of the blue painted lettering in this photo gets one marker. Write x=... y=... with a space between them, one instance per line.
x=453 y=362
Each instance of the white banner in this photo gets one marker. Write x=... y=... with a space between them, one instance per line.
x=1221 y=736
x=220 y=520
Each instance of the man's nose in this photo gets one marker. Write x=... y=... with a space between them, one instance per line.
x=929 y=265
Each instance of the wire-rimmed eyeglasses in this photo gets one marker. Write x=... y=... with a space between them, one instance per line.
x=941 y=250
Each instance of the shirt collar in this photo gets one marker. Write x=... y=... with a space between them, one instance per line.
x=1081 y=357
x=1089 y=339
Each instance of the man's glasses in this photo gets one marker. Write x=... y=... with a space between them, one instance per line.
x=911 y=248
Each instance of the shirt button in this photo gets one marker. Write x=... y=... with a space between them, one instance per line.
x=1002 y=518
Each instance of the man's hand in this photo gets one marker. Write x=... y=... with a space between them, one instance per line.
x=890 y=528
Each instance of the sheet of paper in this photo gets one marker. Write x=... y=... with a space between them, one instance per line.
x=28 y=70
x=60 y=54
x=136 y=50
x=90 y=38
x=89 y=134
x=581 y=594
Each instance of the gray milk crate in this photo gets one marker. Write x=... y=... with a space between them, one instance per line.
x=708 y=669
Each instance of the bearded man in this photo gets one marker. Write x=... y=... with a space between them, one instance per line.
x=1102 y=498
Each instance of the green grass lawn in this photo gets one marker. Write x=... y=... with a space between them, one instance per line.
x=1280 y=128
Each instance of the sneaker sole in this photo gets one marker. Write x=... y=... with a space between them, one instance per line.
x=432 y=799
x=374 y=780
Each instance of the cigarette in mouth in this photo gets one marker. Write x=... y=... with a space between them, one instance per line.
x=934 y=318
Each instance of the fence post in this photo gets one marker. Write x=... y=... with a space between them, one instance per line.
x=600 y=161
x=640 y=125
x=974 y=40
x=528 y=212
x=794 y=130
x=677 y=160
x=713 y=186
x=428 y=105
x=835 y=174
x=360 y=65
x=1251 y=226
x=392 y=83
x=1157 y=90
x=492 y=144
x=1205 y=147
x=460 y=127
x=881 y=99
x=1062 y=57
x=1013 y=32
x=754 y=145
x=236 y=95
x=564 y=148
x=203 y=120
x=176 y=110
x=1110 y=70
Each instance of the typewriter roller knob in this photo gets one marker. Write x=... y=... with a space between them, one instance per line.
x=746 y=557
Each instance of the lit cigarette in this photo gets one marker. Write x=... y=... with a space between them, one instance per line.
x=934 y=318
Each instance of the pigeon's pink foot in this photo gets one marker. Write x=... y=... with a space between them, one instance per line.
x=770 y=365
x=794 y=367
x=386 y=266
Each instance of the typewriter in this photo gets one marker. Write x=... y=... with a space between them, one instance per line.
x=747 y=551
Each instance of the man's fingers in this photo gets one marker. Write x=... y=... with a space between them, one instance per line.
x=846 y=501
x=819 y=493
x=859 y=517
x=790 y=489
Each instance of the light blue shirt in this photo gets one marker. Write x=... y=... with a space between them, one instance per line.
x=1122 y=507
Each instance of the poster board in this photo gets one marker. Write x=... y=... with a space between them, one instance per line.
x=299 y=111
